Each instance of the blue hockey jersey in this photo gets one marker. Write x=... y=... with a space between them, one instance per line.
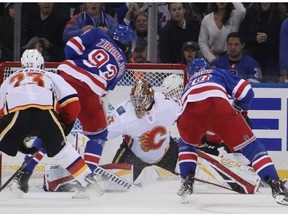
x=218 y=83
x=94 y=58
x=247 y=68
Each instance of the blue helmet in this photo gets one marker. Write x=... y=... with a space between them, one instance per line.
x=196 y=65
x=124 y=35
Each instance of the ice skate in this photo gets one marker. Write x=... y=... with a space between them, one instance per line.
x=186 y=188
x=20 y=184
x=92 y=190
x=279 y=191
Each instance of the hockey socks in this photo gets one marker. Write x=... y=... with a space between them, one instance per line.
x=31 y=166
x=93 y=154
x=69 y=158
x=261 y=161
x=187 y=158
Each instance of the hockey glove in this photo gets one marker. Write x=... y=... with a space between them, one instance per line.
x=210 y=147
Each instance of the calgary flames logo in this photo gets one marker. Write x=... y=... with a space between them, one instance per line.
x=148 y=139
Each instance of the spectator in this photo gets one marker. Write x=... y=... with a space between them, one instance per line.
x=283 y=52
x=260 y=32
x=196 y=10
x=41 y=44
x=139 y=54
x=237 y=62
x=5 y=55
x=111 y=8
x=177 y=31
x=92 y=16
x=189 y=51
x=215 y=27
x=126 y=13
x=7 y=27
x=141 y=24
x=47 y=23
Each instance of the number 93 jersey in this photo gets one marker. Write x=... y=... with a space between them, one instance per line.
x=94 y=58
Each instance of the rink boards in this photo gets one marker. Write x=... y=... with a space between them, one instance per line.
x=269 y=120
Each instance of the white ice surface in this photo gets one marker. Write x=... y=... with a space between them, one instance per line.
x=157 y=198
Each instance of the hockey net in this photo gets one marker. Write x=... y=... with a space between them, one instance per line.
x=154 y=73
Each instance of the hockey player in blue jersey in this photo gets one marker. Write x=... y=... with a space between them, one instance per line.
x=206 y=107
x=95 y=63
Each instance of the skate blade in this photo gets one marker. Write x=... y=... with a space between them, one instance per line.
x=184 y=199
x=16 y=191
x=282 y=199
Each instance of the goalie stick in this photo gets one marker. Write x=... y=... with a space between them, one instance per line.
x=20 y=169
x=104 y=173
x=115 y=179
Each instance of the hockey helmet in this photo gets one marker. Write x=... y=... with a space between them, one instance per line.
x=196 y=65
x=142 y=97
x=32 y=58
x=172 y=86
x=124 y=35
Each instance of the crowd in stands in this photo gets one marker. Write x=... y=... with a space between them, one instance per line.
x=185 y=31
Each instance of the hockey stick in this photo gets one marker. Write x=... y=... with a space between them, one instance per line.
x=117 y=180
x=201 y=180
x=217 y=185
x=20 y=169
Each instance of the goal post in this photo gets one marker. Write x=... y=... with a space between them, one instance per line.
x=153 y=73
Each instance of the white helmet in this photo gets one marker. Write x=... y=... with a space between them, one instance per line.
x=172 y=86
x=32 y=58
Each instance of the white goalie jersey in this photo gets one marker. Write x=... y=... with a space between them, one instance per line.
x=151 y=133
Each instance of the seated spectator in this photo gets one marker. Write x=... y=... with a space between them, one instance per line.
x=189 y=52
x=139 y=54
x=177 y=31
x=283 y=52
x=216 y=25
x=260 y=30
x=47 y=23
x=7 y=26
x=92 y=16
x=237 y=62
x=41 y=44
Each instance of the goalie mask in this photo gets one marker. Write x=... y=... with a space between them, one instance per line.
x=32 y=58
x=142 y=97
x=172 y=86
